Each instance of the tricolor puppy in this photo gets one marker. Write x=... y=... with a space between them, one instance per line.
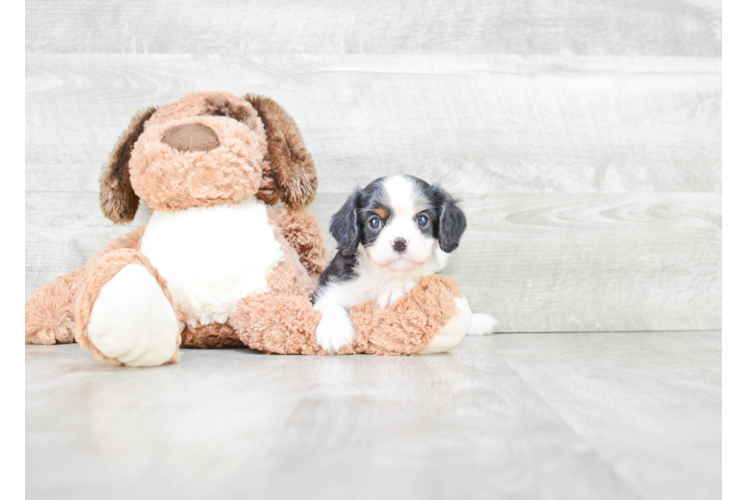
x=389 y=234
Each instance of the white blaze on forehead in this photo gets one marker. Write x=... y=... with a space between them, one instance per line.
x=404 y=196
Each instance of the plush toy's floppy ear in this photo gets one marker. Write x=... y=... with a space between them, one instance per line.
x=118 y=200
x=344 y=225
x=452 y=221
x=291 y=164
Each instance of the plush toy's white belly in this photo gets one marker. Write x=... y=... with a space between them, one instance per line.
x=212 y=256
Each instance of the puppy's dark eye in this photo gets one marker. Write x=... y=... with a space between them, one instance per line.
x=375 y=222
x=422 y=220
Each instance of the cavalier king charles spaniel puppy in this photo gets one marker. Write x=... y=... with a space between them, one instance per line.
x=389 y=234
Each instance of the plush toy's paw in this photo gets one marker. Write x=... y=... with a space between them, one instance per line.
x=453 y=332
x=125 y=313
x=482 y=324
x=132 y=321
x=335 y=331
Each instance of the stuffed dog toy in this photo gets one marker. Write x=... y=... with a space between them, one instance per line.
x=220 y=263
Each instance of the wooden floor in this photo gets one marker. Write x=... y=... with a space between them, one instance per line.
x=559 y=416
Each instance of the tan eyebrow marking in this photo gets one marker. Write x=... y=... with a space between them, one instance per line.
x=381 y=212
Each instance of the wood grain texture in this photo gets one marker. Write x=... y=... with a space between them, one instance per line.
x=562 y=416
x=563 y=262
x=479 y=124
x=588 y=262
x=627 y=418
x=585 y=137
x=733 y=181
x=582 y=27
x=733 y=247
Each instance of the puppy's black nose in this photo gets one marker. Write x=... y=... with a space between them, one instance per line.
x=399 y=244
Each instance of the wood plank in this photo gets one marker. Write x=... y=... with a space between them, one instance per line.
x=589 y=262
x=562 y=416
x=623 y=405
x=64 y=230
x=479 y=124
x=538 y=262
x=733 y=184
x=591 y=27
x=733 y=246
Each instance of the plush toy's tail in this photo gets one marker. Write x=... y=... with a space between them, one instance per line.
x=482 y=324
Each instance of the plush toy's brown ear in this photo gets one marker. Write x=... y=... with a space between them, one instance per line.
x=292 y=168
x=118 y=200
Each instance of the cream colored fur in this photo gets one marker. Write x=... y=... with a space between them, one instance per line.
x=483 y=324
x=132 y=321
x=212 y=256
x=453 y=332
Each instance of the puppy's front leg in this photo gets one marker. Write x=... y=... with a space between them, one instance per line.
x=335 y=330
x=392 y=294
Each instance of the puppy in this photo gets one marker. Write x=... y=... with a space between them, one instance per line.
x=389 y=234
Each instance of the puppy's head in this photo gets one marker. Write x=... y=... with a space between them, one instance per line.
x=398 y=220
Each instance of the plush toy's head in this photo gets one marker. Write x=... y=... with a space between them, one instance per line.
x=208 y=148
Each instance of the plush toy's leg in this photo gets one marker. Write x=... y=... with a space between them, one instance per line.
x=302 y=231
x=277 y=322
x=50 y=311
x=125 y=313
x=433 y=317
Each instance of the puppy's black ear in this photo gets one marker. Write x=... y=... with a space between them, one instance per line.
x=344 y=225
x=452 y=221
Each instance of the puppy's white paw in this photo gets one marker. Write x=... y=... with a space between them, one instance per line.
x=392 y=295
x=335 y=331
x=482 y=324
x=132 y=321
x=384 y=299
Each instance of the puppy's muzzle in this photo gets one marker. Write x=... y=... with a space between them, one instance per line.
x=191 y=137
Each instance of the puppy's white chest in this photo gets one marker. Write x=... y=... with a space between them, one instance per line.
x=212 y=256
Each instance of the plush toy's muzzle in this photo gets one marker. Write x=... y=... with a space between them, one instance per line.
x=191 y=137
x=208 y=148
x=198 y=161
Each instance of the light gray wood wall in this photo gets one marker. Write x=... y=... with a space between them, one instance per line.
x=583 y=137
x=733 y=213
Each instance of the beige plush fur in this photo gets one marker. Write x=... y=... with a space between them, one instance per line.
x=168 y=179
x=213 y=148
x=50 y=311
x=300 y=228
x=97 y=273
x=285 y=324
x=408 y=325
